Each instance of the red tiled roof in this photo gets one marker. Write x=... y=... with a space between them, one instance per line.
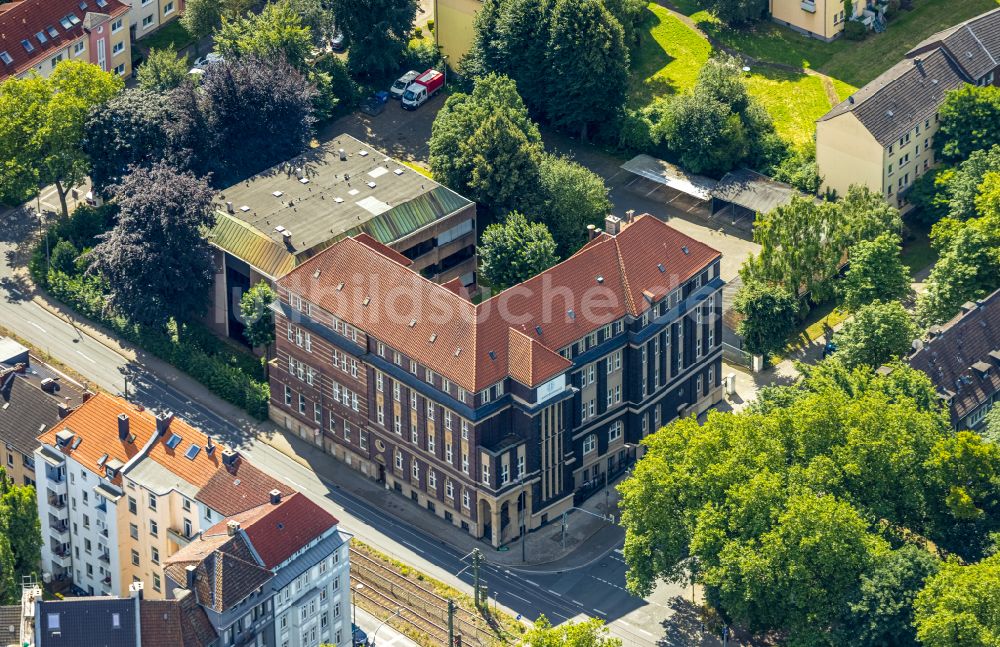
x=96 y=422
x=385 y=250
x=232 y=490
x=278 y=531
x=531 y=363
x=226 y=570
x=469 y=344
x=23 y=20
x=175 y=623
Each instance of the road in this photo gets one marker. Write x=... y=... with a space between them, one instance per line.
x=597 y=590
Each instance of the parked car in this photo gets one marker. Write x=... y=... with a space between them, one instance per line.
x=360 y=637
x=338 y=42
x=399 y=87
x=423 y=88
x=206 y=60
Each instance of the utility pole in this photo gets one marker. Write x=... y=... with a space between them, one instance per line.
x=477 y=558
x=451 y=622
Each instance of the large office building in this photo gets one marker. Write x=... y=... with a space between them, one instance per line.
x=518 y=403
x=273 y=222
x=120 y=489
x=882 y=136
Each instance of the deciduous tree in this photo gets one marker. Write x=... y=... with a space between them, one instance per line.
x=968 y=122
x=958 y=606
x=769 y=316
x=876 y=273
x=514 y=250
x=163 y=70
x=258 y=319
x=877 y=334
x=377 y=32
x=155 y=261
x=259 y=111
x=129 y=130
x=704 y=134
x=274 y=33
x=20 y=536
x=738 y=12
x=587 y=633
x=572 y=198
x=42 y=129
x=587 y=54
x=451 y=158
x=505 y=166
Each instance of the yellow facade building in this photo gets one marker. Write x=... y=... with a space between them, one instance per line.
x=453 y=27
x=823 y=19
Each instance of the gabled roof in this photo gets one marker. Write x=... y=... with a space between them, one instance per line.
x=25 y=412
x=95 y=423
x=235 y=489
x=22 y=21
x=175 y=623
x=973 y=44
x=226 y=569
x=609 y=278
x=956 y=354
x=276 y=532
x=905 y=94
x=530 y=362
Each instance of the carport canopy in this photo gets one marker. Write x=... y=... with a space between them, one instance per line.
x=670 y=176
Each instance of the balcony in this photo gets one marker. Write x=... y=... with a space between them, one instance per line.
x=178 y=537
x=58 y=507
x=105 y=557
x=808 y=5
x=55 y=475
x=62 y=557
x=59 y=529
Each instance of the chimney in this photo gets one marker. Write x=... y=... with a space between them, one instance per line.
x=275 y=497
x=232 y=527
x=591 y=232
x=229 y=206
x=613 y=225
x=122 y=426
x=88 y=394
x=163 y=422
x=190 y=572
x=229 y=458
x=63 y=410
x=629 y=216
x=135 y=588
x=343 y=155
x=968 y=307
x=209 y=446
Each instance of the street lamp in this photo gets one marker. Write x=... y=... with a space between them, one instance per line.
x=354 y=601
x=398 y=610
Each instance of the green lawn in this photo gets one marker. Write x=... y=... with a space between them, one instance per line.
x=854 y=63
x=172 y=35
x=794 y=100
x=671 y=54
x=669 y=58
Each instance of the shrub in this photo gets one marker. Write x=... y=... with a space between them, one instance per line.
x=422 y=56
x=855 y=30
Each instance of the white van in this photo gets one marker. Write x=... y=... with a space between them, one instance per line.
x=399 y=87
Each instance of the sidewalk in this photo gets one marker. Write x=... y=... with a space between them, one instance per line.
x=587 y=538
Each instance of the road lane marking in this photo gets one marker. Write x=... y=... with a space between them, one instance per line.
x=577 y=602
x=533 y=583
x=37 y=326
x=406 y=543
x=518 y=597
x=603 y=613
x=85 y=357
x=640 y=629
x=554 y=593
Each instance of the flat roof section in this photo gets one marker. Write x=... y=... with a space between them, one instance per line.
x=288 y=213
x=671 y=176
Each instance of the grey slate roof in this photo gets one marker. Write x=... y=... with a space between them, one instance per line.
x=905 y=94
x=25 y=411
x=955 y=356
x=973 y=44
x=89 y=618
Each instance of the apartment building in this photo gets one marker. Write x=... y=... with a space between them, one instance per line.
x=822 y=19
x=882 y=136
x=275 y=575
x=33 y=398
x=146 y=16
x=38 y=34
x=962 y=359
x=123 y=488
x=276 y=220
x=519 y=403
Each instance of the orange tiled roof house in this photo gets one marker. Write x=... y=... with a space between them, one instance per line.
x=527 y=400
